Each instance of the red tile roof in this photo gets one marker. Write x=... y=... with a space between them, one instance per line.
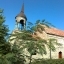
x=54 y=31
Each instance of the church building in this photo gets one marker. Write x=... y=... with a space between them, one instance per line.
x=47 y=33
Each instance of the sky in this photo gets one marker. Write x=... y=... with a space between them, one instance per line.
x=50 y=10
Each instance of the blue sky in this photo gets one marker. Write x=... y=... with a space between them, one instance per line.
x=50 y=10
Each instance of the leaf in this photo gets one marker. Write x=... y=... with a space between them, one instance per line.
x=9 y=55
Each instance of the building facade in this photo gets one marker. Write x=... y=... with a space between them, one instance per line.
x=53 y=33
x=46 y=34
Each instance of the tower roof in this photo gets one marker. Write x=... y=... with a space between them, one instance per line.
x=21 y=14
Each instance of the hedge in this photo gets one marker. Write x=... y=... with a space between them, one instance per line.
x=48 y=61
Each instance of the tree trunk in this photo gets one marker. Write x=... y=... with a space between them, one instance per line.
x=50 y=49
x=30 y=59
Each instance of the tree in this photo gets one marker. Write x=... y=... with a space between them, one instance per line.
x=4 y=45
x=18 y=57
x=33 y=44
x=8 y=54
x=51 y=43
x=40 y=26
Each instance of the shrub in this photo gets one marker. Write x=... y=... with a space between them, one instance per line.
x=49 y=61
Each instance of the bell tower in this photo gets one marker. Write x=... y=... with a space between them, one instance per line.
x=21 y=20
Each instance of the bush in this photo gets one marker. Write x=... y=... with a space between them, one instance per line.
x=48 y=61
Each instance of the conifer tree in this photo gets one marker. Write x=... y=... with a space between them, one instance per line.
x=4 y=46
x=8 y=55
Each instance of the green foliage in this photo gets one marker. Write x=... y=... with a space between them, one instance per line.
x=48 y=61
x=39 y=26
x=26 y=41
x=3 y=27
x=17 y=56
x=51 y=43
x=23 y=40
x=13 y=56
x=8 y=54
x=32 y=45
x=4 y=46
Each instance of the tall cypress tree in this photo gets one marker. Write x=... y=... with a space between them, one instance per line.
x=3 y=34
x=8 y=55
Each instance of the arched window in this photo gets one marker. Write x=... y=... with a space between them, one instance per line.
x=60 y=54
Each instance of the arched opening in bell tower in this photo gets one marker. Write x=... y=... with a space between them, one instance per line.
x=22 y=23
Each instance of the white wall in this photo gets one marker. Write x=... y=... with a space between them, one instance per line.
x=58 y=48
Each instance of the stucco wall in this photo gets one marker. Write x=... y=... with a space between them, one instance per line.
x=59 y=39
x=58 y=48
x=46 y=36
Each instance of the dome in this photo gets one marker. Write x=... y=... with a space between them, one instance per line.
x=21 y=14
